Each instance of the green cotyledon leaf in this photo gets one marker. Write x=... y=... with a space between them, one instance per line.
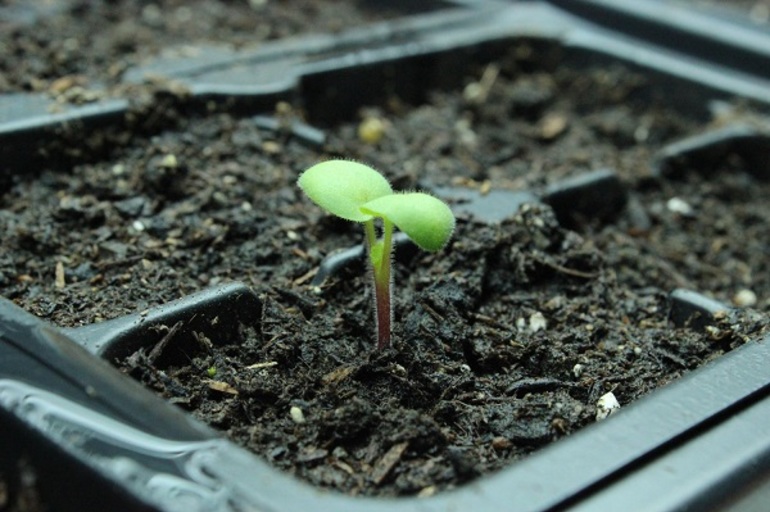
x=428 y=221
x=342 y=186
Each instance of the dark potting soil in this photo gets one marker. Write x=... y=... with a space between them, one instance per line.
x=504 y=341
x=18 y=487
x=72 y=49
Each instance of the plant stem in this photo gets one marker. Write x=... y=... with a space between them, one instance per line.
x=371 y=237
x=379 y=256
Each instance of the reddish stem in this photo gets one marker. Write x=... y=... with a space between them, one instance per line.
x=382 y=276
x=383 y=311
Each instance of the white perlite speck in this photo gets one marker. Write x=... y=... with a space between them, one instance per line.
x=297 y=415
x=537 y=322
x=745 y=298
x=577 y=370
x=680 y=206
x=606 y=406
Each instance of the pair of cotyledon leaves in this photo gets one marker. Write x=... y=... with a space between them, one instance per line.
x=358 y=193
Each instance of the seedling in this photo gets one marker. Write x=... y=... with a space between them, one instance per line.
x=358 y=193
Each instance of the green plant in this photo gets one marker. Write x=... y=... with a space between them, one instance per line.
x=356 y=192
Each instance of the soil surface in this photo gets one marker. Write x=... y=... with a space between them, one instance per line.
x=504 y=341
x=52 y=46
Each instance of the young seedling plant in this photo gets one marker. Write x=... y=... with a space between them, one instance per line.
x=358 y=193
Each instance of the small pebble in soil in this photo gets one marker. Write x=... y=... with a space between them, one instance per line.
x=297 y=415
x=553 y=125
x=577 y=370
x=501 y=443
x=745 y=298
x=606 y=406
x=271 y=147
x=371 y=130
x=427 y=491
x=537 y=322
x=680 y=206
x=169 y=161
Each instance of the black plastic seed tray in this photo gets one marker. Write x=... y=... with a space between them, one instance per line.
x=698 y=442
x=99 y=441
